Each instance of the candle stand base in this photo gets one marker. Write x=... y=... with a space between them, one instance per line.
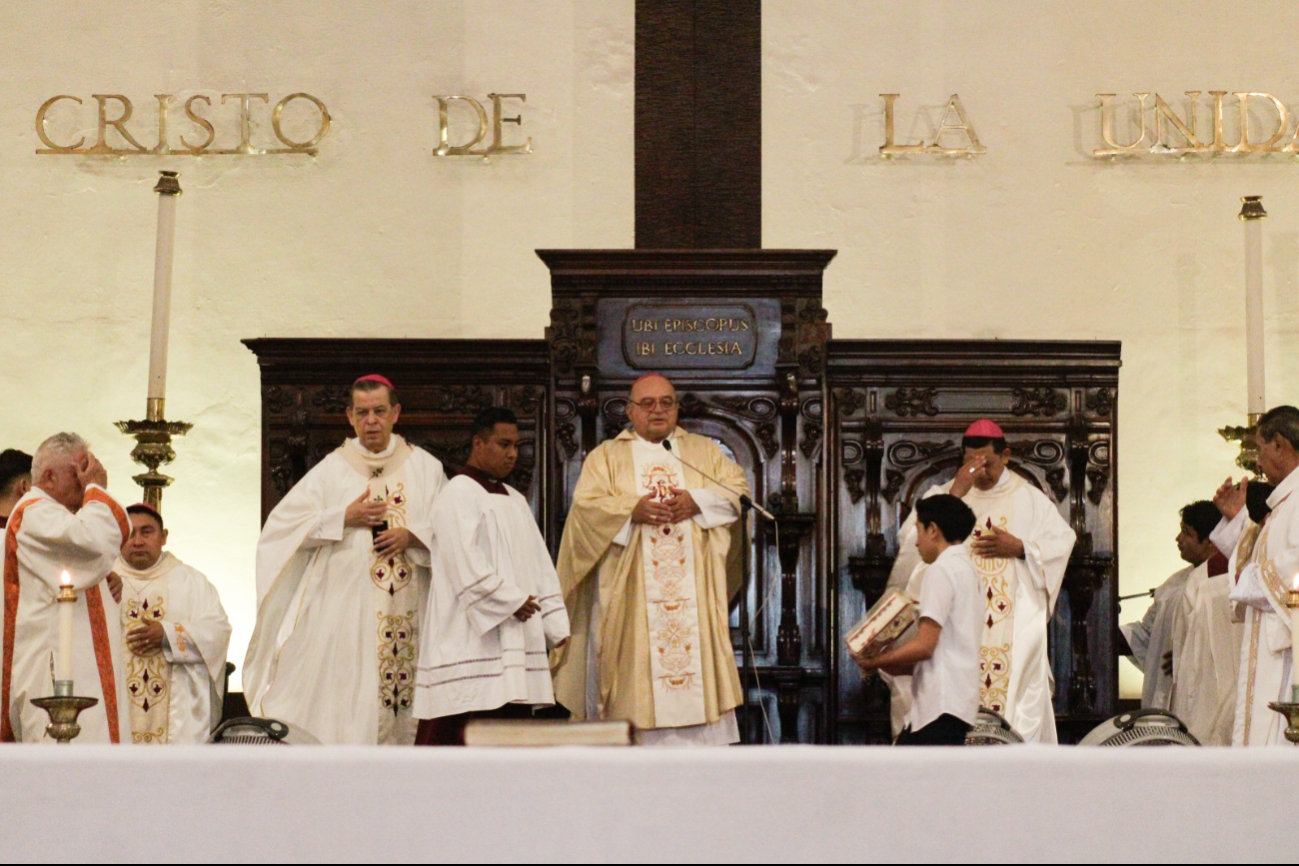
x=63 y=713
x=1291 y=713
x=1248 y=457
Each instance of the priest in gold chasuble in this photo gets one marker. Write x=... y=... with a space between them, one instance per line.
x=648 y=565
x=342 y=581
x=1020 y=549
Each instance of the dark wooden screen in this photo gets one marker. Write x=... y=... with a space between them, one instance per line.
x=442 y=385
x=897 y=410
x=837 y=437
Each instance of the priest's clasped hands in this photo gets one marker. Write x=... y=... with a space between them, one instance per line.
x=145 y=638
x=676 y=508
x=366 y=513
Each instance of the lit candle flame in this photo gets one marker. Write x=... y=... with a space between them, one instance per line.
x=65 y=579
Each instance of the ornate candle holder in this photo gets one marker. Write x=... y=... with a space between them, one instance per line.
x=1248 y=457
x=1290 y=710
x=63 y=712
x=153 y=448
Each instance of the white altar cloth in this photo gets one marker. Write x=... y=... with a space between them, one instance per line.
x=798 y=803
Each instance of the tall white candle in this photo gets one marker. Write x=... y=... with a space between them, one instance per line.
x=1252 y=214
x=168 y=190
x=63 y=662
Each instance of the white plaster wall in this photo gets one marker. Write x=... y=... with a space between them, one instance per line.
x=373 y=237
x=1036 y=239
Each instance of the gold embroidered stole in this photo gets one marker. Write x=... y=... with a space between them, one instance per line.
x=396 y=598
x=998 y=581
x=148 y=676
x=671 y=597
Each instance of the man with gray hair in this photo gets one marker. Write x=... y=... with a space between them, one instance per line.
x=66 y=531
x=1266 y=671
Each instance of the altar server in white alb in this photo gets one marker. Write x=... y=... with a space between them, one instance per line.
x=941 y=662
x=342 y=578
x=67 y=523
x=495 y=608
x=649 y=563
x=1020 y=548
x=176 y=636
x=1150 y=639
x=1262 y=586
x=1205 y=642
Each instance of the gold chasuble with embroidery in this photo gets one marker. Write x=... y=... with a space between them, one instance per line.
x=175 y=691
x=649 y=605
x=337 y=625
x=1019 y=600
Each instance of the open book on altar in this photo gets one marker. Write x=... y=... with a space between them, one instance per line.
x=882 y=625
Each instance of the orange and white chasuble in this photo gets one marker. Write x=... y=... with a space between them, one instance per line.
x=42 y=540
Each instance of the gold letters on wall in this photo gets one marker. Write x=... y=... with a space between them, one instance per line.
x=115 y=111
x=470 y=141
x=953 y=133
x=1170 y=135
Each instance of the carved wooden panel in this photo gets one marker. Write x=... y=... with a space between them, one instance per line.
x=898 y=409
x=442 y=384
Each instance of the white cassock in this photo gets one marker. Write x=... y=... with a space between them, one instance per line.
x=1206 y=655
x=1021 y=596
x=1262 y=585
x=1152 y=636
x=42 y=540
x=474 y=655
x=175 y=692
x=337 y=625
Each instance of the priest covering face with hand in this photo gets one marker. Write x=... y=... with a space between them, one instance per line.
x=176 y=635
x=495 y=609
x=1020 y=547
x=648 y=565
x=1262 y=586
x=67 y=523
x=342 y=578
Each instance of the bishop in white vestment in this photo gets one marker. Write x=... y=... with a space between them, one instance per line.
x=648 y=565
x=495 y=609
x=68 y=523
x=342 y=580
x=1263 y=584
x=1021 y=549
x=176 y=635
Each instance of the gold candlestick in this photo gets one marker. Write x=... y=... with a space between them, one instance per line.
x=63 y=713
x=1290 y=710
x=153 y=448
x=1248 y=457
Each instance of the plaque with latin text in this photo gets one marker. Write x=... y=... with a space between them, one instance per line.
x=688 y=335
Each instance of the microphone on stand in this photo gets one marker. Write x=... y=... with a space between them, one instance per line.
x=744 y=497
